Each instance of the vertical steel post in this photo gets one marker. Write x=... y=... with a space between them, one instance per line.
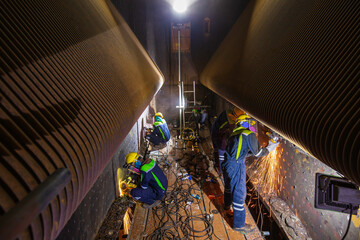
x=194 y=93
x=183 y=102
x=180 y=91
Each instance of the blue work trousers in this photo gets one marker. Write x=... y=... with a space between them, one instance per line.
x=235 y=190
x=156 y=140
x=148 y=196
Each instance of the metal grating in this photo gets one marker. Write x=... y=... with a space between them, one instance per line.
x=74 y=80
x=295 y=66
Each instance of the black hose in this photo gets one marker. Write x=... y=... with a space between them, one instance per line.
x=348 y=226
x=172 y=218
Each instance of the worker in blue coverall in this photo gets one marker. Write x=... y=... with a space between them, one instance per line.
x=160 y=133
x=241 y=141
x=153 y=181
x=221 y=129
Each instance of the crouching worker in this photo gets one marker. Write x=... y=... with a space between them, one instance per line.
x=160 y=133
x=153 y=181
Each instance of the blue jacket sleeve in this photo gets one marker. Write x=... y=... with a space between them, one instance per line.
x=254 y=146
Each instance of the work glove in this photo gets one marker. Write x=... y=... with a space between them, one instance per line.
x=271 y=146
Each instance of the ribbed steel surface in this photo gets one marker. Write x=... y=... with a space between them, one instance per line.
x=74 y=80
x=295 y=66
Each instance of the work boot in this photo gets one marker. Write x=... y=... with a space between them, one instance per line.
x=227 y=207
x=156 y=203
x=245 y=229
x=228 y=211
x=158 y=147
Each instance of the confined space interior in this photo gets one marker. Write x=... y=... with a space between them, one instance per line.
x=82 y=80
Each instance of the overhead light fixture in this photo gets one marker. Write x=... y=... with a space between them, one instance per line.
x=180 y=6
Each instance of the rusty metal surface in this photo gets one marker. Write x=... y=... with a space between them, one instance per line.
x=296 y=186
x=74 y=80
x=294 y=66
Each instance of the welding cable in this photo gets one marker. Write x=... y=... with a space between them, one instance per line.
x=169 y=209
x=349 y=223
x=221 y=220
x=191 y=232
x=170 y=224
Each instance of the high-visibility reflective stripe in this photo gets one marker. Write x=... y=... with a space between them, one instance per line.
x=239 y=147
x=143 y=187
x=238 y=204
x=162 y=133
x=158 y=181
x=259 y=152
x=223 y=125
x=239 y=209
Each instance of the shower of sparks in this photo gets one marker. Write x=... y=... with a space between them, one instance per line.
x=127 y=220
x=128 y=214
x=264 y=172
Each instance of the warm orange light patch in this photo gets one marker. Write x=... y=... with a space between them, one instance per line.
x=127 y=221
x=118 y=175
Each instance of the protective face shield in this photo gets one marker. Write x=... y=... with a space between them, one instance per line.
x=133 y=162
x=158 y=119
x=245 y=124
x=243 y=121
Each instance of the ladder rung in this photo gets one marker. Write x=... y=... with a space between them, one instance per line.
x=188 y=91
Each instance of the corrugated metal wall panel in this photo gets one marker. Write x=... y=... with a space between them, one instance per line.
x=295 y=66
x=74 y=80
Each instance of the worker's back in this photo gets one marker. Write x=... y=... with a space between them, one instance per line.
x=152 y=176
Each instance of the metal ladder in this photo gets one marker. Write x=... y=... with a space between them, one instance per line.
x=186 y=110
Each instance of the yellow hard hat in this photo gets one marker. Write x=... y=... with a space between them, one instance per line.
x=131 y=157
x=159 y=114
x=241 y=118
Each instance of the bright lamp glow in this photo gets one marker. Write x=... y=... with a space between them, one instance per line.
x=180 y=5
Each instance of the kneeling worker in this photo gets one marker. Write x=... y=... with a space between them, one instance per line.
x=160 y=133
x=153 y=181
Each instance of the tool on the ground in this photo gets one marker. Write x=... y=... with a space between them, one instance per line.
x=188 y=176
x=211 y=179
x=196 y=196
